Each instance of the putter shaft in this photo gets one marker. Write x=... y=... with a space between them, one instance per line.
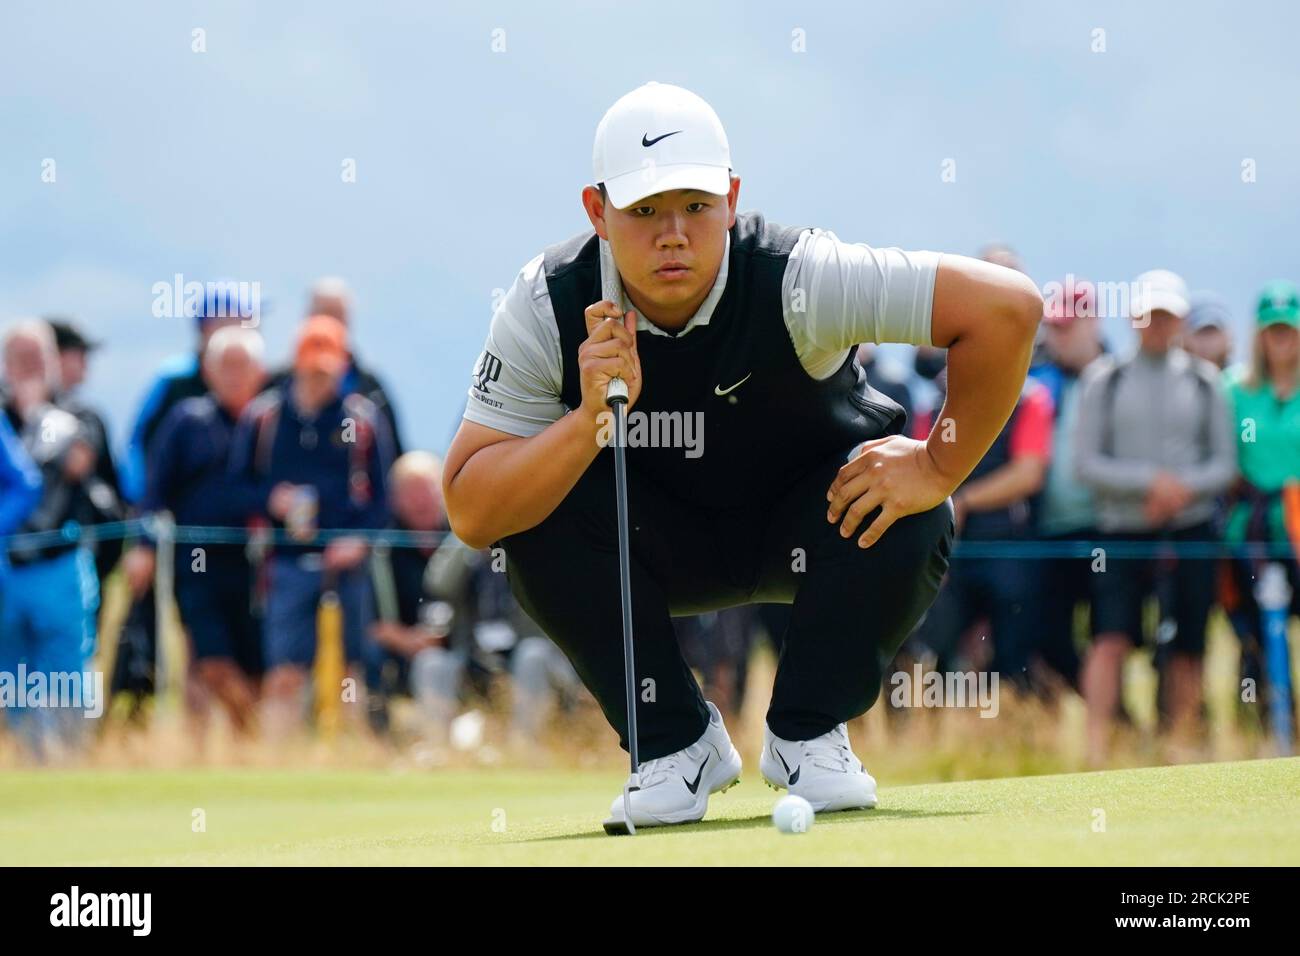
x=617 y=399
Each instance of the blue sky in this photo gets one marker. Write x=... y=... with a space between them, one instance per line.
x=227 y=163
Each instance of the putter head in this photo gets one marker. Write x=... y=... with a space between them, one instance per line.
x=625 y=827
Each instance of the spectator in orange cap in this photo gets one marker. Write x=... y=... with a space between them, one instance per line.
x=330 y=296
x=318 y=458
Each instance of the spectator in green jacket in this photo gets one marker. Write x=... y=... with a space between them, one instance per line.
x=1265 y=401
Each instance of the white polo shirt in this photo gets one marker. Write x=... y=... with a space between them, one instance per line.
x=851 y=293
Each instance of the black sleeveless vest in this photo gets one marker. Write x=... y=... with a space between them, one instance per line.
x=756 y=438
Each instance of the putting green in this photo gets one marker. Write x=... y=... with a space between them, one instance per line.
x=1208 y=814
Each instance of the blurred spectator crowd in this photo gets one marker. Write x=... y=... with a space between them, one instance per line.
x=1126 y=497
x=266 y=502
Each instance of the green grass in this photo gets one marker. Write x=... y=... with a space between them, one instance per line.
x=1215 y=814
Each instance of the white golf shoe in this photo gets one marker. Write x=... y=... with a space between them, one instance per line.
x=676 y=788
x=824 y=771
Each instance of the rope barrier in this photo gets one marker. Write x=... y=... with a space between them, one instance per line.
x=74 y=533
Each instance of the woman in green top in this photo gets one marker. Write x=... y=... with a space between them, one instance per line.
x=1265 y=401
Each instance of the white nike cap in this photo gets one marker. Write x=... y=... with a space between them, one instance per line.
x=660 y=137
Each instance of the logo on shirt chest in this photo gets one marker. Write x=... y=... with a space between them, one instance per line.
x=719 y=390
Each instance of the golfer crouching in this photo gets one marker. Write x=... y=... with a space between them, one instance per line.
x=796 y=487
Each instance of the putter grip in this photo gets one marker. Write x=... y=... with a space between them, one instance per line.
x=615 y=391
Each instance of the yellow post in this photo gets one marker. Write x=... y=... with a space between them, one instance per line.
x=328 y=670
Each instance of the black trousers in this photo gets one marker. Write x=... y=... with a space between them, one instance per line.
x=851 y=607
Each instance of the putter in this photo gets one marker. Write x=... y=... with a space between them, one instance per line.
x=616 y=397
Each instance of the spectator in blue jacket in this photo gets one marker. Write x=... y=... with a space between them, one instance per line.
x=20 y=482
x=317 y=459
x=20 y=490
x=51 y=593
x=179 y=378
x=188 y=478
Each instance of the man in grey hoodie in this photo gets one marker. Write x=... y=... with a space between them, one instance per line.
x=1155 y=445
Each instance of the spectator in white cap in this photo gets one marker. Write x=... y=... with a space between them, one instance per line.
x=1154 y=443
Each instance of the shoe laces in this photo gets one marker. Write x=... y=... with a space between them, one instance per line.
x=831 y=751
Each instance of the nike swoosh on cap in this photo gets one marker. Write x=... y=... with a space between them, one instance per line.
x=651 y=142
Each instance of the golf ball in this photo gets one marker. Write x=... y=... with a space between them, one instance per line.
x=793 y=814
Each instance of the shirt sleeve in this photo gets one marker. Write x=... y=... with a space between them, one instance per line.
x=516 y=382
x=836 y=295
x=1032 y=434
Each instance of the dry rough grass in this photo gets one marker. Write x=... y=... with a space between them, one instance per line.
x=1029 y=736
